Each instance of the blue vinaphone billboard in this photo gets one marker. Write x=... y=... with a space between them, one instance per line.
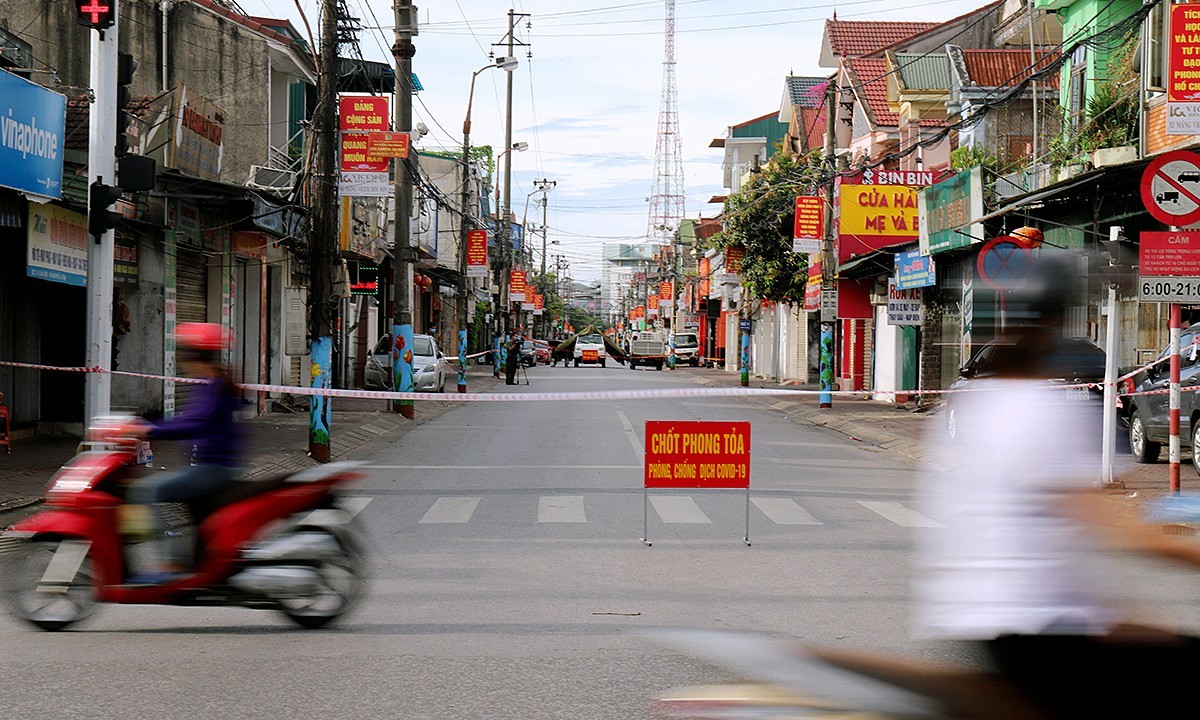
x=32 y=123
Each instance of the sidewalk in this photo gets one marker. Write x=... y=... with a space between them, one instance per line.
x=278 y=442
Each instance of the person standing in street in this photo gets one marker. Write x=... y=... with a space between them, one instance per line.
x=513 y=357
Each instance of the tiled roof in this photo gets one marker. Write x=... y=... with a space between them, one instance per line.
x=855 y=38
x=813 y=121
x=1005 y=68
x=75 y=136
x=259 y=25
x=708 y=227
x=79 y=109
x=806 y=91
x=748 y=123
x=869 y=76
x=923 y=71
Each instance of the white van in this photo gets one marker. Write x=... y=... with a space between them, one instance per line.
x=687 y=348
x=590 y=349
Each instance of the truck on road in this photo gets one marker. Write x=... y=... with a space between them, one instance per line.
x=647 y=347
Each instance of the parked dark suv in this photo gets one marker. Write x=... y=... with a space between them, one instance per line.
x=1075 y=361
x=1148 y=416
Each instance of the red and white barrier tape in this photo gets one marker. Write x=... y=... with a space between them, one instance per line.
x=560 y=396
x=32 y=366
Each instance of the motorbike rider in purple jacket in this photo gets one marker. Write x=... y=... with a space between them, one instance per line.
x=207 y=421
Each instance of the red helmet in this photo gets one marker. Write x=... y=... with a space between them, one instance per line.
x=201 y=336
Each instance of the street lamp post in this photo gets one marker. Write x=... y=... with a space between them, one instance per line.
x=503 y=246
x=507 y=64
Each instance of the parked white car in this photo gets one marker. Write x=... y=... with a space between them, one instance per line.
x=430 y=366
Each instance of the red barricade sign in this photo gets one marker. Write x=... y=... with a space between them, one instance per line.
x=697 y=454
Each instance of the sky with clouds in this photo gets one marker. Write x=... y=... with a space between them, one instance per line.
x=587 y=101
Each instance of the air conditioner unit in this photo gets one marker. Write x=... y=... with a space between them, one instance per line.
x=271 y=179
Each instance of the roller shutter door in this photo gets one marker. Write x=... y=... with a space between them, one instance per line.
x=191 y=286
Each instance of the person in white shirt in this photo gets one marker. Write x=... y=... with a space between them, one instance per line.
x=1012 y=567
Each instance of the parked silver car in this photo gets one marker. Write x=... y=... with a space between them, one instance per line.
x=430 y=366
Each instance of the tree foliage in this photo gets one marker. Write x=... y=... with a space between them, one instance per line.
x=758 y=218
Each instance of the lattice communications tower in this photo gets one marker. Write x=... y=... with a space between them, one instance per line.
x=666 y=197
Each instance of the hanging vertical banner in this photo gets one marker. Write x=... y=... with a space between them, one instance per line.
x=652 y=306
x=808 y=228
x=363 y=113
x=354 y=157
x=539 y=303
x=477 y=258
x=516 y=286
x=361 y=174
x=812 y=288
x=665 y=293
x=733 y=259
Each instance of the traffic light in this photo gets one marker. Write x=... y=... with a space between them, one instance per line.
x=100 y=199
x=126 y=67
x=96 y=14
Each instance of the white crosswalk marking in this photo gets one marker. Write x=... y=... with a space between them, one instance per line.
x=784 y=511
x=561 y=509
x=451 y=510
x=678 y=509
x=900 y=514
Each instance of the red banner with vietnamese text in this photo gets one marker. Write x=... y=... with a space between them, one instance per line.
x=516 y=286
x=477 y=259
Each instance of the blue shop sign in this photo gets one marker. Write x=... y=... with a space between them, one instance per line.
x=32 y=126
x=914 y=270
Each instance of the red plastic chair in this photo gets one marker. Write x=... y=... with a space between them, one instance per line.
x=6 y=438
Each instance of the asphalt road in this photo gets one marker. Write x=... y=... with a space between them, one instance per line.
x=509 y=579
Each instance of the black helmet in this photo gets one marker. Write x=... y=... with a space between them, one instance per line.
x=1055 y=282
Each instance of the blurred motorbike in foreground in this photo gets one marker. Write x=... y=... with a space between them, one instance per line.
x=789 y=681
x=785 y=680
x=285 y=542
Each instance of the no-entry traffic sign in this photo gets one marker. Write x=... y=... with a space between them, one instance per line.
x=1171 y=188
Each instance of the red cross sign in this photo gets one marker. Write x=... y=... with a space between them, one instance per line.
x=98 y=14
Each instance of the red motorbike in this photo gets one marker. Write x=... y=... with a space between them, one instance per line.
x=287 y=542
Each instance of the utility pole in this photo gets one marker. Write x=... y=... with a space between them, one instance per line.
x=503 y=243
x=402 y=328
x=507 y=64
x=102 y=171
x=463 y=235
x=544 y=186
x=828 y=262
x=324 y=238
